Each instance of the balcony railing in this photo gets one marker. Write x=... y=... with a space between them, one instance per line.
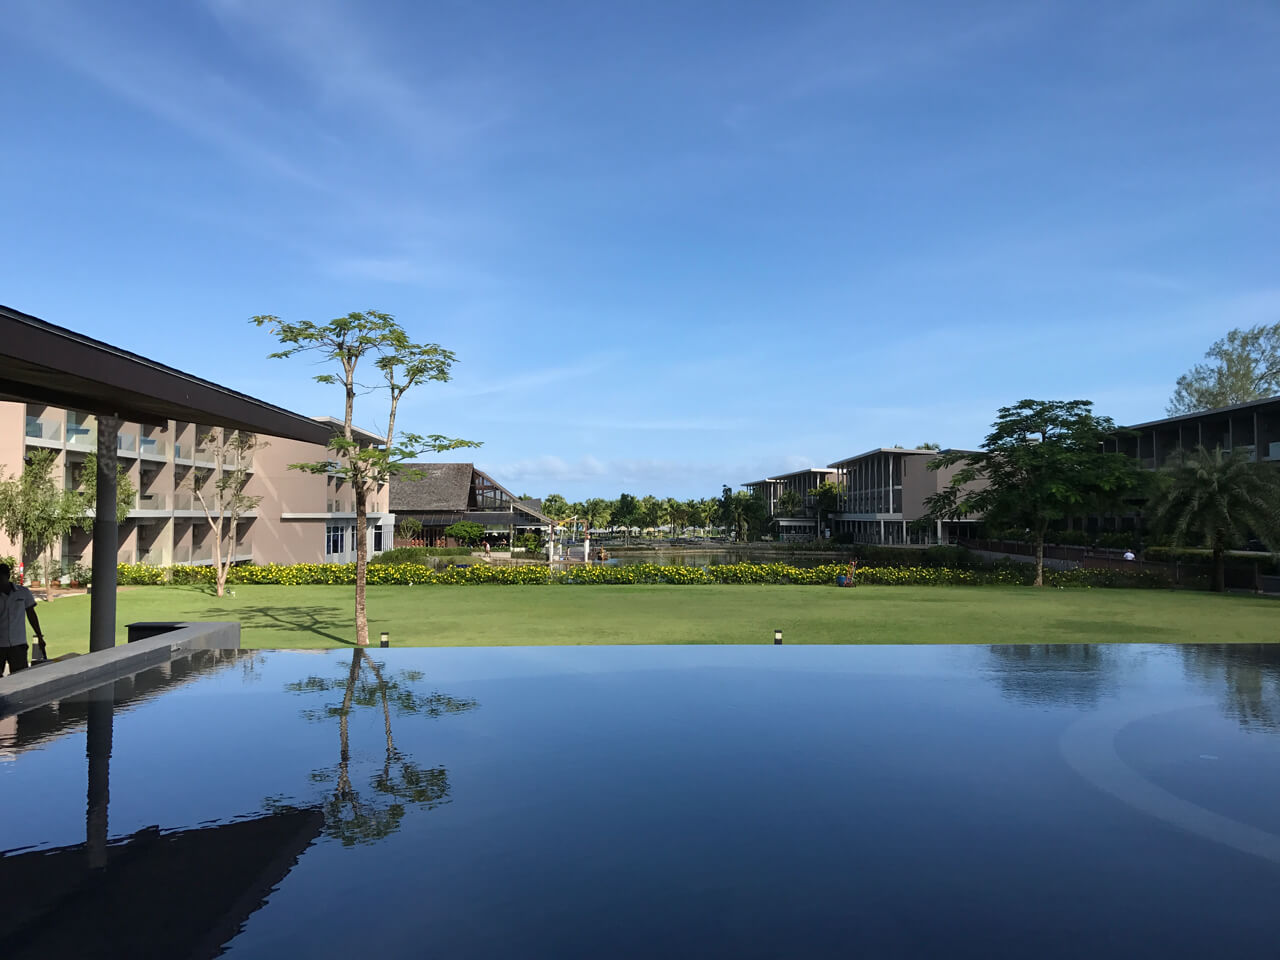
x=152 y=447
x=153 y=501
x=38 y=429
x=153 y=557
x=183 y=500
x=181 y=451
x=127 y=443
x=81 y=437
x=202 y=553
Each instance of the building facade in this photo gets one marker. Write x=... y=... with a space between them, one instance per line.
x=301 y=518
x=884 y=495
x=792 y=507
x=1252 y=428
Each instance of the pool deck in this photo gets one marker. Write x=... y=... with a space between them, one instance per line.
x=54 y=680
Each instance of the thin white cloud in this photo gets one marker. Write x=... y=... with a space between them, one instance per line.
x=157 y=79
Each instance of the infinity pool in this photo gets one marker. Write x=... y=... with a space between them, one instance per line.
x=1050 y=801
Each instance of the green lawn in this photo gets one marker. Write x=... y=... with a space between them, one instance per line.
x=318 y=616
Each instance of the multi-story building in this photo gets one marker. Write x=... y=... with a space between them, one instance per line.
x=884 y=494
x=794 y=517
x=1253 y=428
x=302 y=517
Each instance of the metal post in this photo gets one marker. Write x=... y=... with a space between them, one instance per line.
x=106 y=535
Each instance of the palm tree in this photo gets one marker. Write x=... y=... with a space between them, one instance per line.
x=1219 y=497
x=790 y=504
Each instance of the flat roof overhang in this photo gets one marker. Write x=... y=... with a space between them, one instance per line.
x=44 y=363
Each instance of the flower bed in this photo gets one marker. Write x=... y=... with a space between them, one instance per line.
x=413 y=574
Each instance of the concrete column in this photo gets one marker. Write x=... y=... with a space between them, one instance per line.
x=106 y=535
x=939 y=531
x=882 y=531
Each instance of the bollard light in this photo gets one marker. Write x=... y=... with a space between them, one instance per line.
x=385 y=639
x=777 y=638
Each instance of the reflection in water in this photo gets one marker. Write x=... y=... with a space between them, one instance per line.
x=1245 y=676
x=155 y=893
x=1058 y=674
x=352 y=816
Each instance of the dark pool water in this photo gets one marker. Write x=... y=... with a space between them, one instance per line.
x=1054 y=801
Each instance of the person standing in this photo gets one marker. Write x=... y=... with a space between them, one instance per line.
x=16 y=602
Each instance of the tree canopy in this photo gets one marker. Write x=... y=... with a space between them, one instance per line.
x=1242 y=366
x=1043 y=461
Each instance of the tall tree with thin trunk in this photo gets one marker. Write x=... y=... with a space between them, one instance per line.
x=367 y=462
x=220 y=491
x=1217 y=498
x=1043 y=461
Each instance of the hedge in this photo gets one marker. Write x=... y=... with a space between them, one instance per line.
x=641 y=573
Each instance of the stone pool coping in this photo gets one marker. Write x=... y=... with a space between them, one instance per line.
x=65 y=678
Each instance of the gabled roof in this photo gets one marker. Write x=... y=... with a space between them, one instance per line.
x=446 y=488
x=431 y=486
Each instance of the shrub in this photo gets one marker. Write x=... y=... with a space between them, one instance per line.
x=1011 y=574
x=465 y=531
x=139 y=574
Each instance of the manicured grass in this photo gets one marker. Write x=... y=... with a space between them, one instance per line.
x=320 y=616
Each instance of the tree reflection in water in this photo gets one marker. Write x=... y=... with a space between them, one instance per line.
x=1245 y=676
x=374 y=810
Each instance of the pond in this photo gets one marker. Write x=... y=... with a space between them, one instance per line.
x=927 y=801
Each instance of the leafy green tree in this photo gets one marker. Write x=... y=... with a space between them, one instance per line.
x=466 y=532
x=410 y=528
x=694 y=513
x=1043 y=461
x=594 y=513
x=650 y=512
x=711 y=512
x=556 y=507
x=625 y=510
x=220 y=492
x=928 y=446
x=1218 y=497
x=1242 y=366
x=826 y=497
x=362 y=462
x=36 y=510
x=790 y=504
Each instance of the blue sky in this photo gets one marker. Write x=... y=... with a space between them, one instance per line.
x=673 y=244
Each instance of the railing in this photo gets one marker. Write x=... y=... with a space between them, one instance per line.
x=126 y=443
x=338 y=506
x=201 y=553
x=181 y=451
x=153 y=557
x=81 y=437
x=183 y=500
x=38 y=429
x=151 y=447
x=153 y=501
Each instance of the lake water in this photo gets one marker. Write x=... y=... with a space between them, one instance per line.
x=1054 y=801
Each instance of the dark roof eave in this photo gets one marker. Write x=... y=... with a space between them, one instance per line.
x=1216 y=411
x=45 y=363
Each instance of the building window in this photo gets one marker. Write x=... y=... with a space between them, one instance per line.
x=335 y=539
x=377 y=539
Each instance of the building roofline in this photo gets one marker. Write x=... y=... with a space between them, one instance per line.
x=875 y=450
x=1215 y=411
x=799 y=473
x=49 y=364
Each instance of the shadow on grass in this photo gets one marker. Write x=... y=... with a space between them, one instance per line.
x=292 y=619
